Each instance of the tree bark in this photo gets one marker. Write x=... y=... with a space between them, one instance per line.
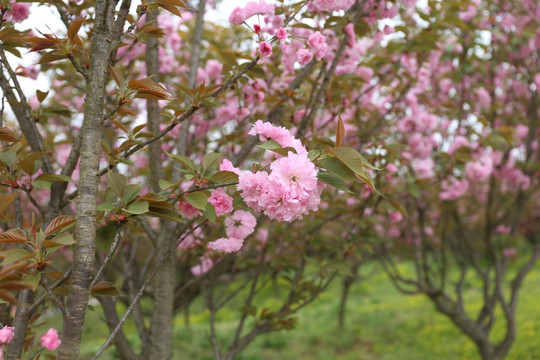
x=85 y=227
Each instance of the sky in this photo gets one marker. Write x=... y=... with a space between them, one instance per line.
x=47 y=20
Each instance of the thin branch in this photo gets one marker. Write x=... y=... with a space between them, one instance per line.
x=142 y=288
x=41 y=299
x=110 y=255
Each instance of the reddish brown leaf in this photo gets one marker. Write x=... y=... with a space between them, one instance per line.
x=340 y=133
x=105 y=288
x=75 y=27
x=13 y=236
x=6 y=200
x=7 y=296
x=7 y=135
x=59 y=223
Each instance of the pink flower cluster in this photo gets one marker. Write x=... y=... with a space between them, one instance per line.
x=222 y=202
x=239 y=15
x=332 y=5
x=6 y=335
x=50 y=340
x=317 y=42
x=238 y=227
x=453 y=189
x=19 y=12
x=291 y=189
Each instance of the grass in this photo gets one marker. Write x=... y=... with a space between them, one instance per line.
x=381 y=324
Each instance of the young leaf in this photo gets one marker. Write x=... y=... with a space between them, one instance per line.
x=59 y=223
x=15 y=255
x=340 y=131
x=117 y=183
x=7 y=135
x=16 y=235
x=105 y=288
x=74 y=28
x=6 y=200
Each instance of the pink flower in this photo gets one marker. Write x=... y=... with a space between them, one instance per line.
x=240 y=225
x=349 y=31
x=6 y=335
x=238 y=16
x=453 y=189
x=509 y=252
x=188 y=210
x=252 y=186
x=332 y=5
x=296 y=173
x=50 y=339
x=317 y=42
x=222 y=202
x=226 y=165
x=281 y=34
x=265 y=49
x=279 y=134
x=205 y=265
x=261 y=7
x=304 y=56
x=20 y=12
x=256 y=29
x=479 y=170
x=225 y=245
x=392 y=168
x=424 y=168
x=396 y=216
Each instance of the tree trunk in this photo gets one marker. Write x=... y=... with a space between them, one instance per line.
x=85 y=227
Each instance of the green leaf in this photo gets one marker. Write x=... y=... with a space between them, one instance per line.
x=15 y=255
x=224 y=177
x=352 y=158
x=210 y=160
x=184 y=160
x=105 y=236
x=210 y=212
x=32 y=280
x=338 y=168
x=8 y=157
x=138 y=207
x=334 y=181
x=164 y=184
x=64 y=239
x=41 y=95
x=106 y=207
x=198 y=199
x=312 y=154
x=41 y=184
x=54 y=177
x=270 y=145
x=131 y=192
x=167 y=214
x=117 y=183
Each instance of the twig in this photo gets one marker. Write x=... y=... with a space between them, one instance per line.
x=110 y=255
x=39 y=301
x=141 y=290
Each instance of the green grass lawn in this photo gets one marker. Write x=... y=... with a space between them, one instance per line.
x=381 y=324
